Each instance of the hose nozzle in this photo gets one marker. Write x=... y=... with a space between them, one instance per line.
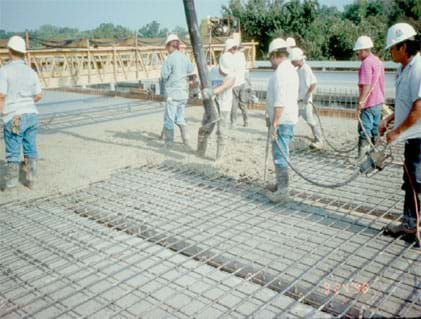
x=375 y=160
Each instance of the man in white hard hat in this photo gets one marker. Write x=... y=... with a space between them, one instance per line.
x=222 y=79
x=371 y=93
x=291 y=43
x=175 y=72
x=404 y=49
x=281 y=114
x=307 y=86
x=20 y=89
x=239 y=91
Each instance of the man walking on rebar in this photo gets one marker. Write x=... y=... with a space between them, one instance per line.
x=282 y=114
x=371 y=93
x=174 y=74
x=20 y=89
x=307 y=86
x=404 y=49
x=239 y=100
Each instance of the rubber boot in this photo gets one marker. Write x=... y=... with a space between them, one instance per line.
x=183 y=133
x=168 y=137
x=245 y=115
x=202 y=144
x=29 y=169
x=272 y=187
x=12 y=175
x=281 y=193
x=219 y=147
x=363 y=147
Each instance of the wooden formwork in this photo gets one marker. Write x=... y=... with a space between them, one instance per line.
x=66 y=67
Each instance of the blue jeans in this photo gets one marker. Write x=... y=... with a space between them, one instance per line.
x=284 y=135
x=370 y=117
x=26 y=138
x=174 y=113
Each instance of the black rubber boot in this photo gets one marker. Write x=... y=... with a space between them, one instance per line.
x=29 y=169
x=12 y=175
x=281 y=193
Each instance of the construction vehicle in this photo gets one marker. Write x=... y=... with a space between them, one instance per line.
x=217 y=30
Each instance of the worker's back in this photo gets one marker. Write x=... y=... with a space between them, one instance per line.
x=174 y=73
x=20 y=84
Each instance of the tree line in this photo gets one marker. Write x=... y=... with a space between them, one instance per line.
x=324 y=32
x=103 y=31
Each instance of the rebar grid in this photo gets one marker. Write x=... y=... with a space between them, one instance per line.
x=217 y=231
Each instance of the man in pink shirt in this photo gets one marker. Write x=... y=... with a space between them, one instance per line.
x=371 y=92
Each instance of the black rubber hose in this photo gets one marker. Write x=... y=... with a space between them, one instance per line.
x=353 y=176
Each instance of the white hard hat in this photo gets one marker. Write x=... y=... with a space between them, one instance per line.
x=291 y=42
x=277 y=44
x=296 y=54
x=399 y=32
x=171 y=37
x=226 y=63
x=363 y=42
x=17 y=44
x=230 y=43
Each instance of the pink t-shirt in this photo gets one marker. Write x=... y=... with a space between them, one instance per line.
x=372 y=73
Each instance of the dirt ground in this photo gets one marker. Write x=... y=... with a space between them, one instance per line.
x=72 y=158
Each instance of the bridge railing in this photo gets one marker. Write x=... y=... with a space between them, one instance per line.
x=66 y=67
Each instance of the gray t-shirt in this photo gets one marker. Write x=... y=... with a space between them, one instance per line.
x=20 y=84
x=408 y=90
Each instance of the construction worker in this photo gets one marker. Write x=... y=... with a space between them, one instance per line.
x=281 y=114
x=371 y=93
x=239 y=100
x=20 y=89
x=404 y=49
x=291 y=43
x=174 y=74
x=307 y=86
x=222 y=79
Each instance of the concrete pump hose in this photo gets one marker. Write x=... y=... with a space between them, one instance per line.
x=316 y=111
x=353 y=176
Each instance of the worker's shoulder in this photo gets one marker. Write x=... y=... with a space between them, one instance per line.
x=306 y=67
x=17 y=67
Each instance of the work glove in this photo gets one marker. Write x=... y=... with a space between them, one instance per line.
x=207 y=93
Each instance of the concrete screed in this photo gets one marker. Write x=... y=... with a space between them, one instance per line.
x=115 y=243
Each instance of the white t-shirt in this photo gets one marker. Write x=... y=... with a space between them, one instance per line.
x=224 y=99
x=240 y=68
x=20 y=84
x=283 y=92
x=307 y=78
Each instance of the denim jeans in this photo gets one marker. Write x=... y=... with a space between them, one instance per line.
x=370 y=117
x=26 y=138
x=174 y=113
x=412 y=183
x=284 y=135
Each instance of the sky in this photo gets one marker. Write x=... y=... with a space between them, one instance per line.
x=18 y=15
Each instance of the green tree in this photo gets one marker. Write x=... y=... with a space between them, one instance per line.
x=110 y=31
x=152 y=30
